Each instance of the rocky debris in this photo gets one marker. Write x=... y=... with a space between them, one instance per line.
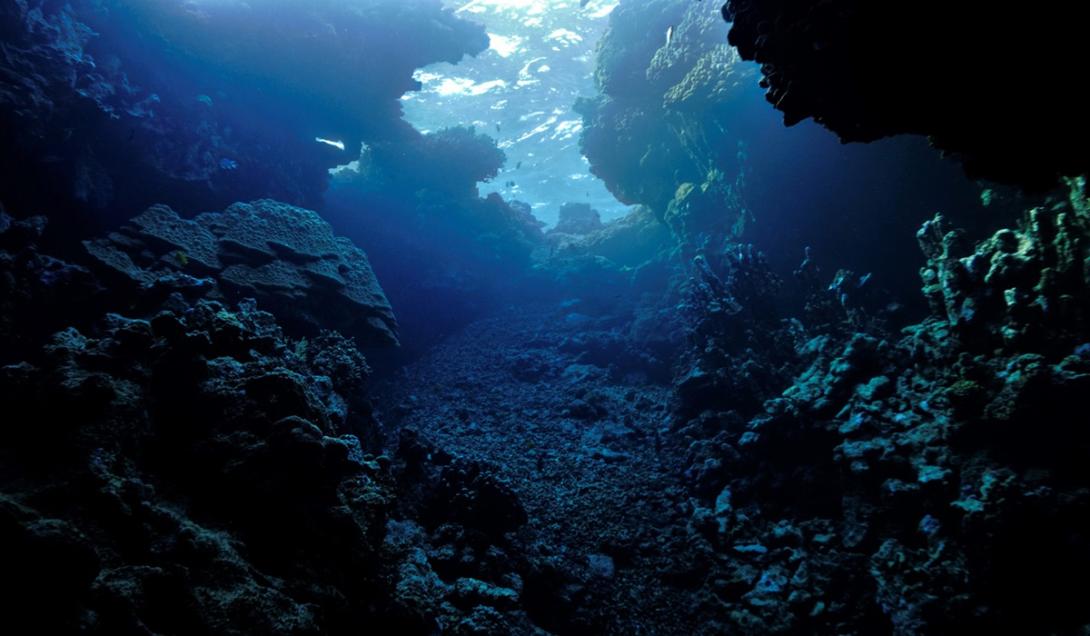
x=37 y=291
x=909 y=485
x=1021 y=288
x=578 y=443
x=176 y=442
x=285 y=257
x=969 y=82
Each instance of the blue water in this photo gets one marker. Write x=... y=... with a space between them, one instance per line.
x=509 y=317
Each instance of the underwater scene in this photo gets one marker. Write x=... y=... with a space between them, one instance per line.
x=544 y=317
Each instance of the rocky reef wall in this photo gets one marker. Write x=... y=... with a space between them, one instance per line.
x=112 y=106
x=681 y=127
x=983 y=82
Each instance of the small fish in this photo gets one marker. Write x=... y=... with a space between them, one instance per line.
x=228 y=164
x=669 y=34
x=518 y=165
x=497 y=127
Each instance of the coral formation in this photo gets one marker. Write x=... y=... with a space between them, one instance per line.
x=660 y=424
x=890 y=485
x=968 y=76
x=153 y=119
x=285 y=257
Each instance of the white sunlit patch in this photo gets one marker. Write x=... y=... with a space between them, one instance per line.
x=425 y=77
x=567 y=129
x=564 y=37
x=603 y=10
x=330 y=142
x=503 y=45
x=465 y=86
x=526 y=73
x=520 y=6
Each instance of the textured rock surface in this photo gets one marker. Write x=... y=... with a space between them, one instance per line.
x=909 y=484
x=664 y=116
x=968 y=75
x=285 y=257
x=578 y=219
x=202 y=106
x=189 y=468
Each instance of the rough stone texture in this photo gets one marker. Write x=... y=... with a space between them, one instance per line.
x=286 y=257
x=190 y=469
x=983 y=81
x=664 y=117
x=109 y=106
x=910 y=484
x=1022 y=287
x=578 y=219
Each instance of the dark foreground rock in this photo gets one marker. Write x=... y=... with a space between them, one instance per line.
x=928 y=483
x=285 y=257
x=180 y=465
x=868 y=70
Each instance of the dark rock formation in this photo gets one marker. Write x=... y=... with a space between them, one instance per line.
x=683 y=129
x=285 y=257
x=916 y=484
x=182 y=465
x=413 y=205
x=982 y=81
x=110 y=106
x=578 y=219
x=1021 y=288
x=661 y=120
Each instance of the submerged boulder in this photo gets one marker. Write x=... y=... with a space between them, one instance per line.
x=578 y=219
x=285 y=257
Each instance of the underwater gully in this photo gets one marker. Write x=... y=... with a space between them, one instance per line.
x=531 y=317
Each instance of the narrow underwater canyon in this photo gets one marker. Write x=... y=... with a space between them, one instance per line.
x=533 y=317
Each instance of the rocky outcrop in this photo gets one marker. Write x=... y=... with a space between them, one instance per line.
x=1021 y=288
x=110 y=106
x=578 y=219
x=908 y=484
x=285 y=257
x=413 y=205
x=173 y=463
x=663 y=117
x=968 y=76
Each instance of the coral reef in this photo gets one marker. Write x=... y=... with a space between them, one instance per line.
x=188 y=466
x=413 y=205
x=665 y=109
x=967 y=76
x=683 y=130
x=893 y=485
x=285 y=257
x=152 y=119
x=577 y=218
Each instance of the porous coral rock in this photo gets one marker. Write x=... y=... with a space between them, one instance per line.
x=286 y=257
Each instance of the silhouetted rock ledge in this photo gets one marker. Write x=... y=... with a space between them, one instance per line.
x=867 y=70
x=285 y=257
